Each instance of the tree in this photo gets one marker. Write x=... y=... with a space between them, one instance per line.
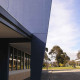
x=46 y=49
x=66 y=59
x=61 y=57
x=78 y=55
x=46 y=58
x=55 y=64
x=72 y=63
x=45 y=55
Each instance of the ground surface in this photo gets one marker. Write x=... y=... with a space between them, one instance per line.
x=60 y=68
x=61 y=74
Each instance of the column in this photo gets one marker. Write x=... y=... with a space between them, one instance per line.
x=37 y=55
x=4 y=61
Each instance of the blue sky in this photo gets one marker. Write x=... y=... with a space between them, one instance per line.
x=64 y=26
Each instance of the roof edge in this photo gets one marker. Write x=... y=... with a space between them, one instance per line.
x=5 y=15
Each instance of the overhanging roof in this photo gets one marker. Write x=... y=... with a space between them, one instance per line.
x=26 y=47
x=12 y=26
x=14 y=33
x=6 y=32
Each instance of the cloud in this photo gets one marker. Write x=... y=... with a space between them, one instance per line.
x=62 y=28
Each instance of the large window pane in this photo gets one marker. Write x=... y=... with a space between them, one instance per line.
x=15 y=60
x=10 y=59
x=22 y=61
x=19 y=60
x=29 y=61
x=25 y=61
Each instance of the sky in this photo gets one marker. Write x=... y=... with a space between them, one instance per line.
x=64 y=26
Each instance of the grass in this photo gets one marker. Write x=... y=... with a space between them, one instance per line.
x=60 y=68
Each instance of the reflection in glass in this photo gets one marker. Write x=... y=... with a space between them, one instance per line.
x=15 y=60
x=10 y=58
x=25 y=61
x=28 y=61
x=19 y=60
x=22 y=61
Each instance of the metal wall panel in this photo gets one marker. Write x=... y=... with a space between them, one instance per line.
x=32 y=14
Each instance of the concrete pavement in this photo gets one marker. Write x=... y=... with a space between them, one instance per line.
x=61 y=75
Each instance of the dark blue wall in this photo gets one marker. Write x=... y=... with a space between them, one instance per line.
x=4 y=60
x=38 y=48
x=33 y=15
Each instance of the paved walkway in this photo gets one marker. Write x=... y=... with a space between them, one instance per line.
x=61 y=75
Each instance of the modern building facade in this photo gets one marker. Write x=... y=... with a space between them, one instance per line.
x=23 y=33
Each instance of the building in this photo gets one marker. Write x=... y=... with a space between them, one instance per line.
x=23 y=33
x=77 y=62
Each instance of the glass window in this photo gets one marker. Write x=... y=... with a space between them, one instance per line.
x=15 y=60
x=22 y=60
x=25 y=61
x=10 y=59
x=19 y=60
x=28 y=61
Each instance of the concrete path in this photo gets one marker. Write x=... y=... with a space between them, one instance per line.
x=61 y=75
